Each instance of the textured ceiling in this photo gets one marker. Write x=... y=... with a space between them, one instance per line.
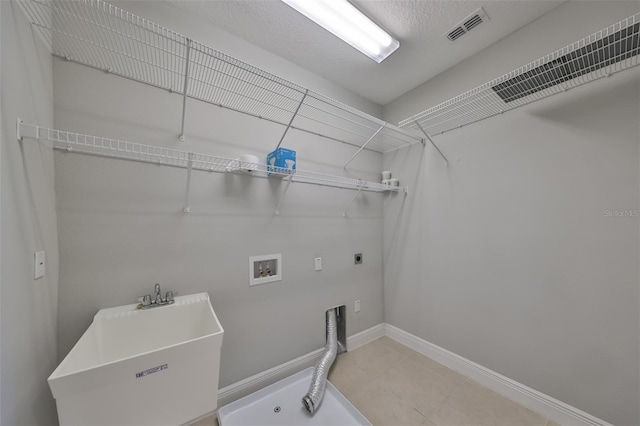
x=418 y=24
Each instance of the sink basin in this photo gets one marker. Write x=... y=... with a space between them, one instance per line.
x=131 y=366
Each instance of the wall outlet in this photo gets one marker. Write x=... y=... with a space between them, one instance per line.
x=38 y=265
x=357 y=258
x=265 y=269
x=356 y=306
x=318 y=264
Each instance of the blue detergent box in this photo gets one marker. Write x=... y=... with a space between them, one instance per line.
x=282 y=160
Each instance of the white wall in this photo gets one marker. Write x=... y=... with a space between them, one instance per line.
x=122 y=228
x=507 y=256
x=1 y=240
x=28 y=307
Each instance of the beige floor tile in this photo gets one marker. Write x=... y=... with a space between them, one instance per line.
x=473 y=404
x=430 y=364
x=384 y=408
x=422 y=385
x=374 y=389
x=353 y=369
x=552 y=423
x=347 y=375
x=398 y=347
x=376 y=356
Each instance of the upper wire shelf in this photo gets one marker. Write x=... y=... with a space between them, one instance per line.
x=601 y=54
x=114 y=148
x=103 y=36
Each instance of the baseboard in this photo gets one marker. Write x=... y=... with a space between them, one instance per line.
x=364 y=337
x=258 y=381
x=545 y=405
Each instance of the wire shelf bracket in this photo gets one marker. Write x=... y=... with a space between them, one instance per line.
x=446 y=162
x=363 y=146
x=601 y=54
x=99 y=35
x=185 y=90
x=346 y=209
x=133 y=151
x=187 y=208
x=295 y=113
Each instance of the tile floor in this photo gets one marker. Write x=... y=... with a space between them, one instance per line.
x=393 y=385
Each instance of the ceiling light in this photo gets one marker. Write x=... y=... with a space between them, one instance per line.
x=345 y=21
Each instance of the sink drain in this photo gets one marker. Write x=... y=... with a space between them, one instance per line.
x=277 y=409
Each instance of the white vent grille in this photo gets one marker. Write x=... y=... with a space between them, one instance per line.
x=467 y=24
x=456 y=33
x=473 y=22
x=610 y=50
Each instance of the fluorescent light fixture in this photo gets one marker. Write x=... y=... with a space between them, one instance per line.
x=345 y=21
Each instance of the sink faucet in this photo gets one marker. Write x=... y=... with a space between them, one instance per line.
x=158 y=298
x=147 y=302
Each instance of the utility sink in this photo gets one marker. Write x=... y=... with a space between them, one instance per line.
x=134 y=367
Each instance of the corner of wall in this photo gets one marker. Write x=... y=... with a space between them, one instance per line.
x=28 y=308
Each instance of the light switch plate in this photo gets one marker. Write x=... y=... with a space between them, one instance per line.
x=356 y=306
x=38 y=265
x=318 y=264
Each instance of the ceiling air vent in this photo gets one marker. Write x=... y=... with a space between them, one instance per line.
x=458 y=32
x=475 y=20
x=467 y=24
x=616 y=47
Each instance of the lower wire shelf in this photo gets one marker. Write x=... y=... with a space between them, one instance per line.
x=133 y=151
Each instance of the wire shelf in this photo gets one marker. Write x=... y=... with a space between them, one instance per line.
x=133 y=151
x=601 y=54
x=105 y=37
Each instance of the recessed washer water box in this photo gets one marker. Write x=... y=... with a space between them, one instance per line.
x=281 y=404
x=142 y=367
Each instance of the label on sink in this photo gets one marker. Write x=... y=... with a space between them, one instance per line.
x=151 y=371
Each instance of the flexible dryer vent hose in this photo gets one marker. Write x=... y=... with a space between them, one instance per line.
x=312 y=399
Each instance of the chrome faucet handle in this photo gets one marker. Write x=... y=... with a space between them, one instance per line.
x=158 y=295
x=145 y=300
x=169 y=296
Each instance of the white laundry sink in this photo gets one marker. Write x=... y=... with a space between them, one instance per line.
x=134 y=367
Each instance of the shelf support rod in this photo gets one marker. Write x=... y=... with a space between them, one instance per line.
x=364 y=146
x=277 y=212
x=186 y=86
x=306 y=92
x=446 y=162
x=187 y=208
x=351 y=202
